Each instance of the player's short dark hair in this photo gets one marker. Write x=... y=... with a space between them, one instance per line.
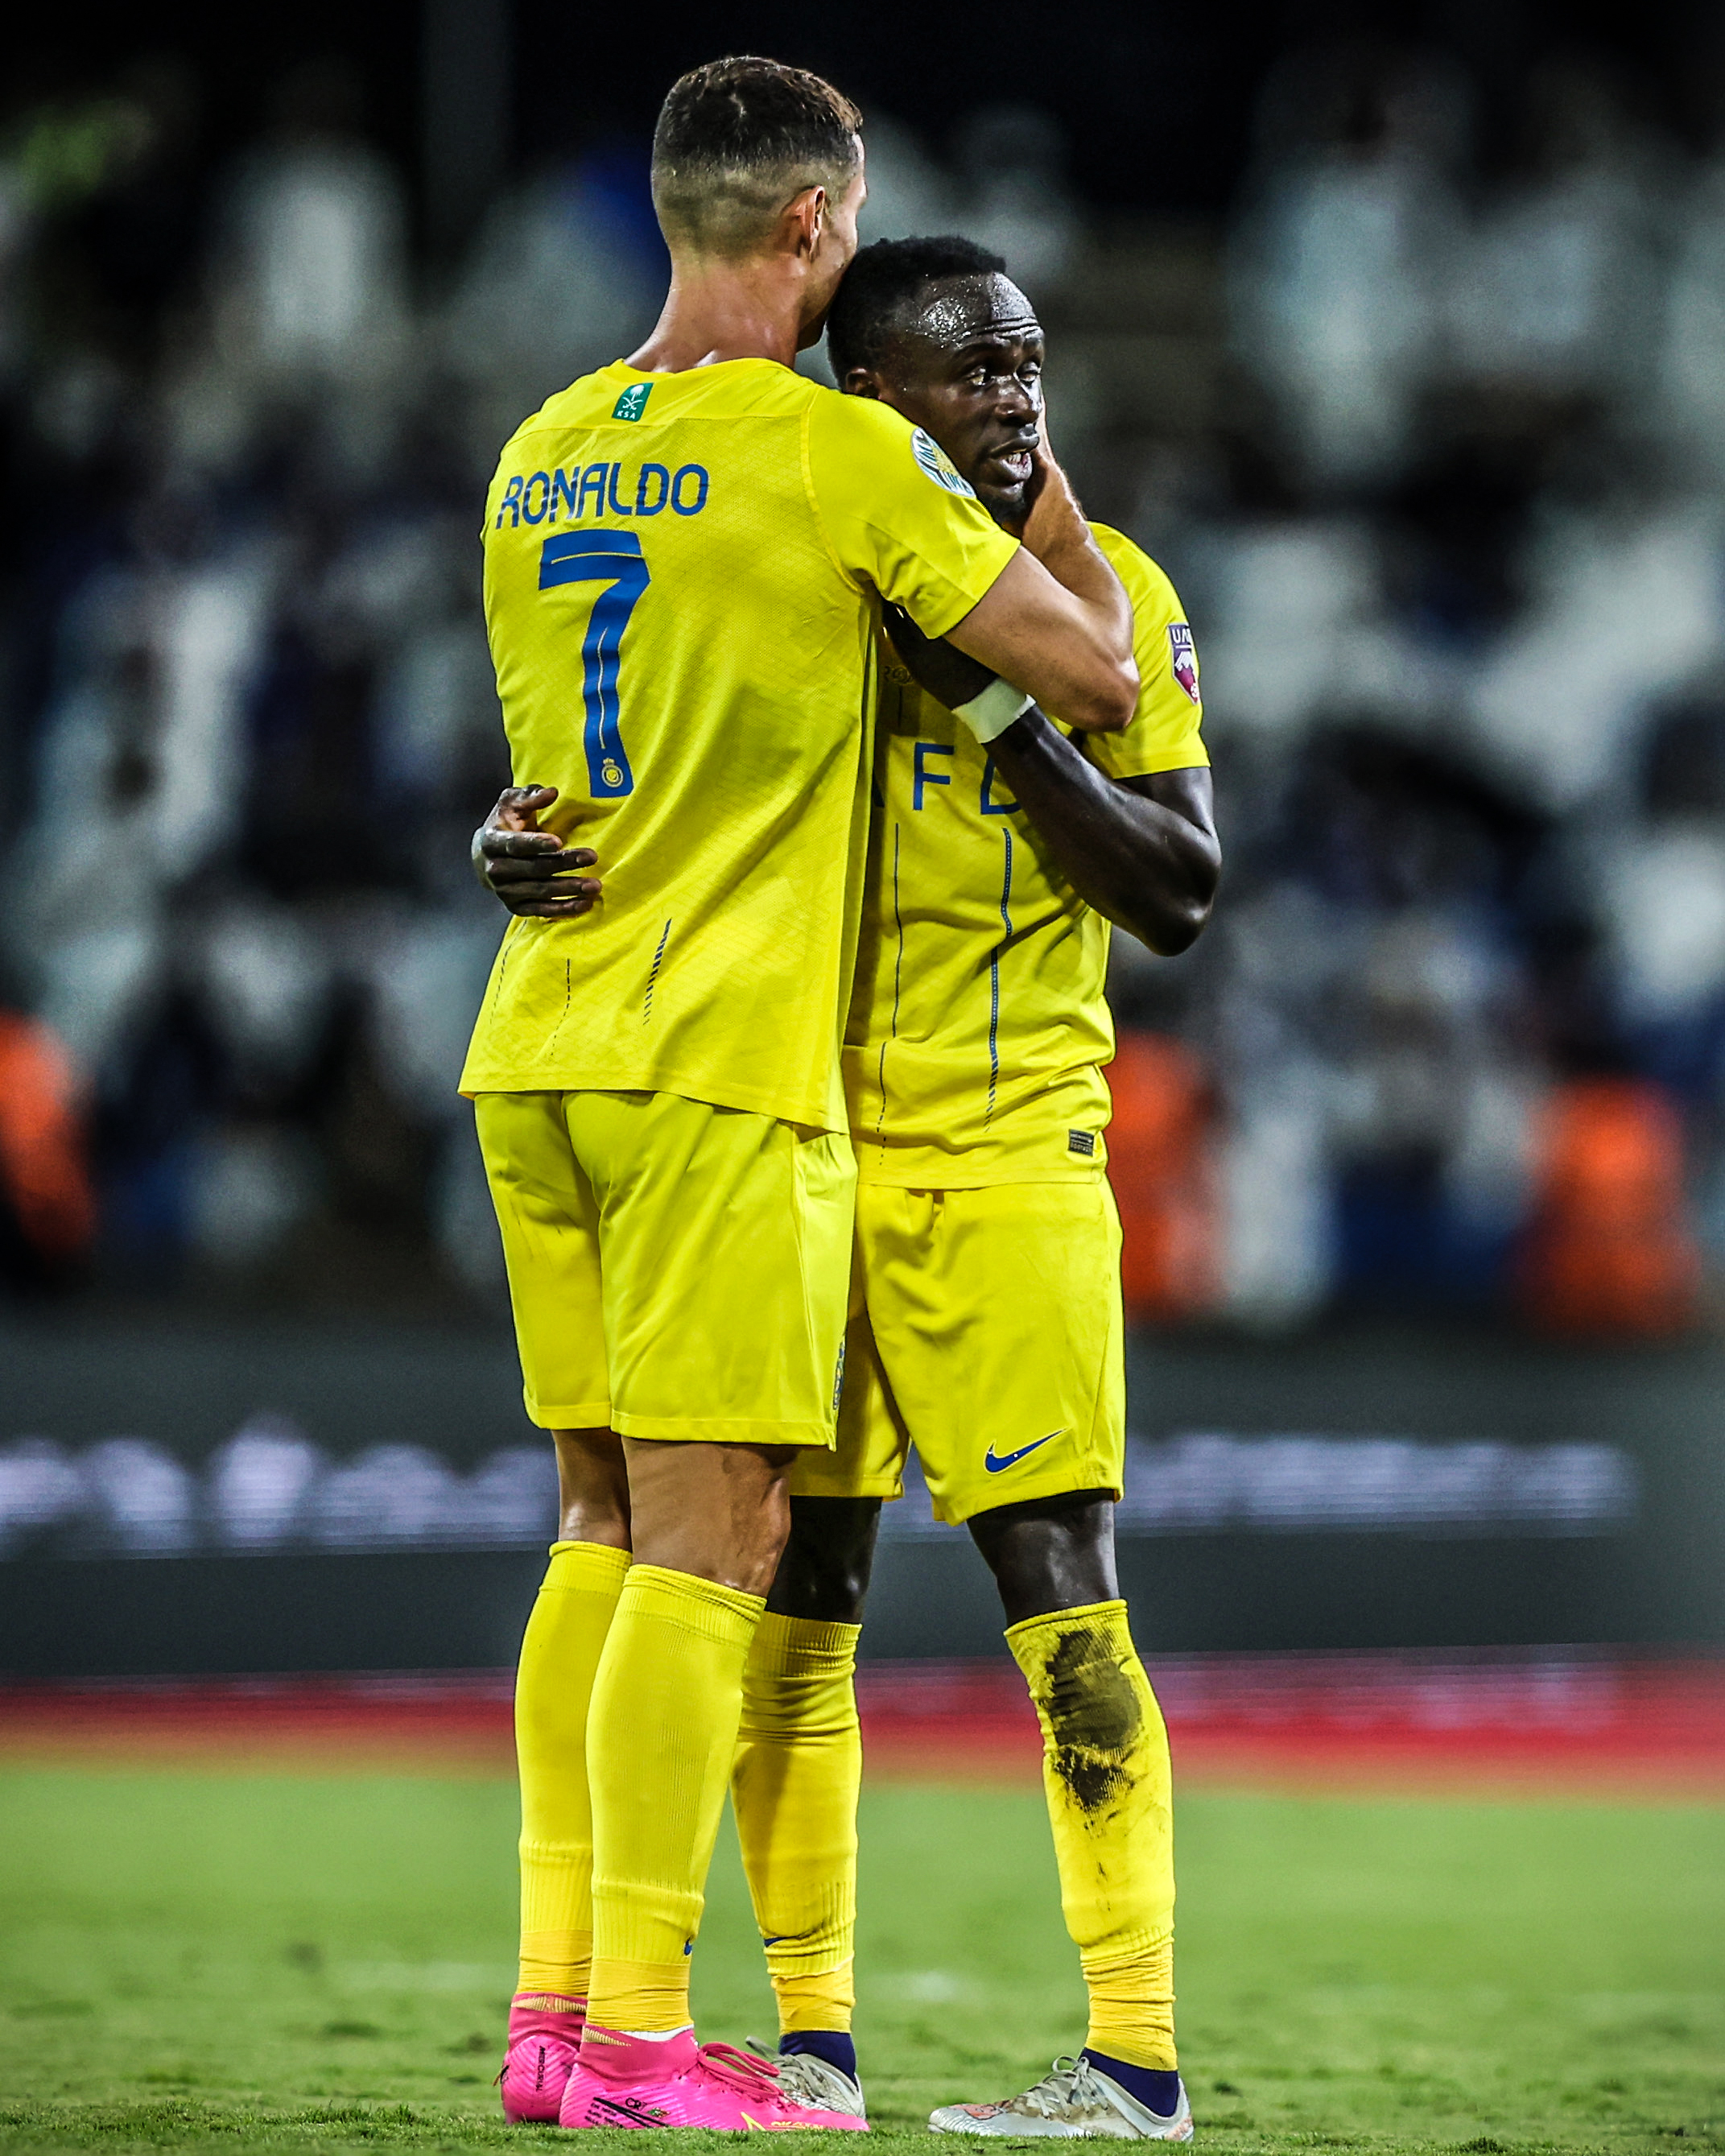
x=736 y=140
x=887 y=278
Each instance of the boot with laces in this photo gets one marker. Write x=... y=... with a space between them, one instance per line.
x=628 y=2080
x=807 y=2078
x=1076 y=2100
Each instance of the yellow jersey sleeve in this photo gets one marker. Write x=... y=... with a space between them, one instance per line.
x=896 y=515
x=1163 y=735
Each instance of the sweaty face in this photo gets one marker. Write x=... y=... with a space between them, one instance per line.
x=966 y=362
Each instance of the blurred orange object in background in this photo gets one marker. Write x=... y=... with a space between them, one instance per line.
x=45 y=1179
x=1610 y=1249
x=1158 y=1162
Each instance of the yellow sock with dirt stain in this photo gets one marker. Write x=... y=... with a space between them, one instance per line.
x=1109 y=1787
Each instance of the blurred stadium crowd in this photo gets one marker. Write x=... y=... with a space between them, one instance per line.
x=1431 y=436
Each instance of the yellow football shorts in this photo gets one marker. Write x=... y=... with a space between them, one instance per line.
x=986 y=1329
x=677 y=1270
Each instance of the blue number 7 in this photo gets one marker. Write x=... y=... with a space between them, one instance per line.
x=613 y=558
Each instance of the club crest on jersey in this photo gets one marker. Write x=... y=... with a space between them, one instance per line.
x=1184 y=653
x=632 y=402
x=939 y=466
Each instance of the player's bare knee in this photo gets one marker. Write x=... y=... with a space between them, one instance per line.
x=593 y=1488
x=1050 y=1553
x=720 y=1512
x=824 y=1574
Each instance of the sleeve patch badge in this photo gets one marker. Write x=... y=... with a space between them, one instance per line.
x=938 y=465
x=1184 y=654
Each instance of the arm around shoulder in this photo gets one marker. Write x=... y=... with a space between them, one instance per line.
x=1062 y=648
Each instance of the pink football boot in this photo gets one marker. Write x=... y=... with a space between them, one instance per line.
x=539 y=2058
x=632 y=2081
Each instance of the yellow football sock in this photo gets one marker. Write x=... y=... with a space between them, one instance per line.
x=560 y=1652
x=1105 y=1770
x=1132 y=2003
x=661 y=1736
x=794 y=1786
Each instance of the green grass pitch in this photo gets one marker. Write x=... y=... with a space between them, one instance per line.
x=280 y=1961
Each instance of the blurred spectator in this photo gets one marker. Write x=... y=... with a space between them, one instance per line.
x=1622 y=606
x=1610 y=1249
x=909 y=195
x=139 y=783
x=566 y=274
x=47 y=1212
x=1161 y=1175
x=311 y=278
x=1016 y=199
x=1658 y=885
x=1297 y=624
x=1556 y=287
x=1338 y=271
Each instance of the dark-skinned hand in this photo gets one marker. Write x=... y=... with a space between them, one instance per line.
x=531 y=870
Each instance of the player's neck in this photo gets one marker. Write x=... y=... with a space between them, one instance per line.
x=719 y=311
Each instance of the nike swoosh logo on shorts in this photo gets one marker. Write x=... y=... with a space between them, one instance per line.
x=997 y=1463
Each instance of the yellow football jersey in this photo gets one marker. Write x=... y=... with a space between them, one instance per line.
x=979 y=1025
x=681 y=573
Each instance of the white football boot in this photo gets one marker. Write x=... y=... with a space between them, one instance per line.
x=806 y=2079
x=1074 y=2101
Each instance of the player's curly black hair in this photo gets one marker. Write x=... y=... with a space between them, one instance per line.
x=881 y=279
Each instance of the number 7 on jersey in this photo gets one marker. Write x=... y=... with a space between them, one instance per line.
x=613 y=558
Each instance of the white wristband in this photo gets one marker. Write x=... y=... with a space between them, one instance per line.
x=998 y=706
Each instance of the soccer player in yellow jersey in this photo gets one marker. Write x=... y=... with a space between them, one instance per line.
x=986 y=1325
x=989 y=1326
x=686 y=554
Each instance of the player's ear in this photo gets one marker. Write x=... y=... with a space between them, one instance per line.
x=804 y=220
x=860 y=381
